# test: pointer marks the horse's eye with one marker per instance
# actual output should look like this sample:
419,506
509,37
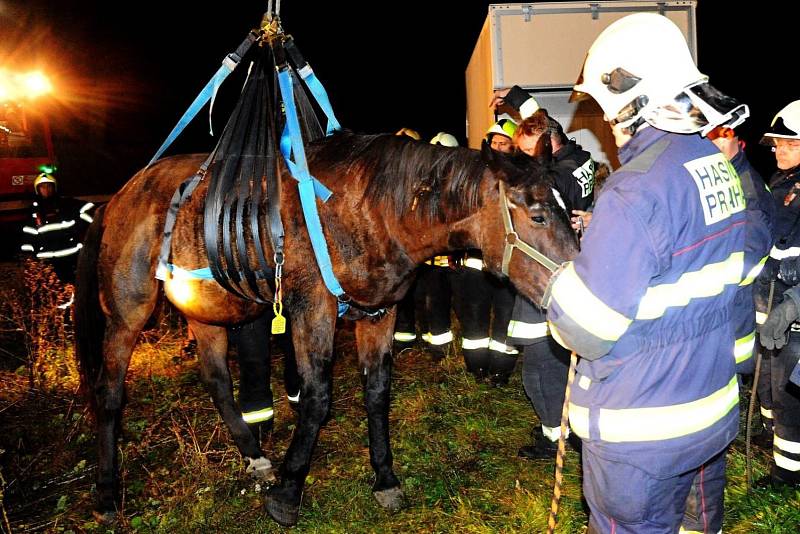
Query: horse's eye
539,219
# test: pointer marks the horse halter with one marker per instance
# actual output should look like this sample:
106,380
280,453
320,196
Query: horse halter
513,241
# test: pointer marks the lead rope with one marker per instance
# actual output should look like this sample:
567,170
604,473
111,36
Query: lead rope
562,450
751,405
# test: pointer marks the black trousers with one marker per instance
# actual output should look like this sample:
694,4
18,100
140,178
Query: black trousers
786,412
483,305
426,306
253,354
545,365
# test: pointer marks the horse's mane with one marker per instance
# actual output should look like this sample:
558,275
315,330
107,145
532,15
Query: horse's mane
404,175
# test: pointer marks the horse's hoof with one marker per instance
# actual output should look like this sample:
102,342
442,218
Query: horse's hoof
105,518
261,469
391,500
283,513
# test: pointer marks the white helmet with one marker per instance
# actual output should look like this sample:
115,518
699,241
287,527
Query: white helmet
785,125
640,68
444,139
44,178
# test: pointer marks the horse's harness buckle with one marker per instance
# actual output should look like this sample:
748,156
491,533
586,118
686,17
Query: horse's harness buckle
511,237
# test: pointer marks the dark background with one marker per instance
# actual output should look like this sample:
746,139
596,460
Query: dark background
125,72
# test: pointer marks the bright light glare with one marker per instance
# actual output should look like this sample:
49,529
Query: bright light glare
23,85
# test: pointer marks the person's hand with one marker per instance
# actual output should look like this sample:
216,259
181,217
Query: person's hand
581,220
498,98
729,146
774,332
789,271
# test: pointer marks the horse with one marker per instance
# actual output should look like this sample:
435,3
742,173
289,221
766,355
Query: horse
396,202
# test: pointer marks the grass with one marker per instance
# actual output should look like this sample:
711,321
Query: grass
454,444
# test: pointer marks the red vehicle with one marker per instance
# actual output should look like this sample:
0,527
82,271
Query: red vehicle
26,146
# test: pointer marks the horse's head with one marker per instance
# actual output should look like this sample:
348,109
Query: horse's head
525,232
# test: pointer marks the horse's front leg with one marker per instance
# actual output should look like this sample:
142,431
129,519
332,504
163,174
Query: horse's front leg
212,347
374,340
312,334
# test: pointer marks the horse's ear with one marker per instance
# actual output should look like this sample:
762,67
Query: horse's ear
488,155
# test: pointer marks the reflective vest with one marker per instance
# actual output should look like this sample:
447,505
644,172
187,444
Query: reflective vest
649,304
760,216
56,228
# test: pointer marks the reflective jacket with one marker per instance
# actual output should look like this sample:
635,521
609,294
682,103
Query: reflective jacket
758,240
575,176
56,228
649,304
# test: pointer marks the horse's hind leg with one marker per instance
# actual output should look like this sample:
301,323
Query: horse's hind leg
108,394
313,342
374,339
212,347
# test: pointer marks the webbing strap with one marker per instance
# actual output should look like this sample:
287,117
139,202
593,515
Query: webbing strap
306,185
228,65
178,198
305,72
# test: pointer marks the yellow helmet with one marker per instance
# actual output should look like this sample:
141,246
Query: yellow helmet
44,178
409,133
504,126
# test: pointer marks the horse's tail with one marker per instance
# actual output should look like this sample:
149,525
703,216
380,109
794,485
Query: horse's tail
90,321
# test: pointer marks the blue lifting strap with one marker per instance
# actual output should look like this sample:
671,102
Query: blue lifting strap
228,65
316,88
306,186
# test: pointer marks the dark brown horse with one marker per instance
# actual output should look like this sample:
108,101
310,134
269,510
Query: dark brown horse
396,202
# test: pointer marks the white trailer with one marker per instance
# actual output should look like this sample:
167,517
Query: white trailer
541,47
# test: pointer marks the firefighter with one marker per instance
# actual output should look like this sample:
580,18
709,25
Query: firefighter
56,227
431,290
545,363
650,302
405,328
781,331
483,303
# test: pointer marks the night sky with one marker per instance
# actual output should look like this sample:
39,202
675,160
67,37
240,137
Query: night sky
125,72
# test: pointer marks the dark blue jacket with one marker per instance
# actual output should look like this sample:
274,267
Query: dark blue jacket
650,304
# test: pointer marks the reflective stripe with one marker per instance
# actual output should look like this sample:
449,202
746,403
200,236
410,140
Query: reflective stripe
554,332
586,309
86,217
60,253
52,227
293,398
786,463
579,420
743,348
521,330
438,339
760,317
785,445
30,230
706,282
404,337
528,108
780,254
474,263
472,344
584,382
27,248
86,207
258,416
696,531
502,347
553,433
663,422
754,272
439,261
766,413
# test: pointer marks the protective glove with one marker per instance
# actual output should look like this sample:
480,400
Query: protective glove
789,271
769,272
774,332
